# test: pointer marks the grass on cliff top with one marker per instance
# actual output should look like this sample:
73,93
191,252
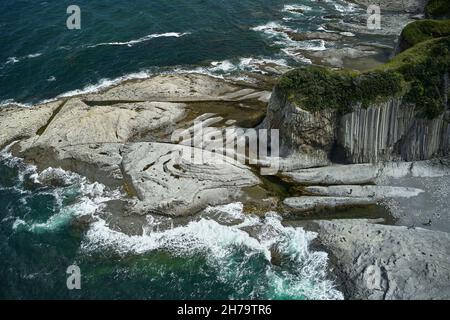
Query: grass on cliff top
416,75
438,9
423,30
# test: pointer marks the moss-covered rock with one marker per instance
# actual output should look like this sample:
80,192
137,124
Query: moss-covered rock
417,75
425,67
422,30
438,9
316,88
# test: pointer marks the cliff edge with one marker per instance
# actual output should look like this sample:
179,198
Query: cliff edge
398,111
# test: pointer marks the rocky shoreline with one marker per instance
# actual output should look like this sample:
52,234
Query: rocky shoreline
121,137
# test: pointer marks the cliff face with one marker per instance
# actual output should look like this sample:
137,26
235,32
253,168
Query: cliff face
309,133
391,131
398,111
386,131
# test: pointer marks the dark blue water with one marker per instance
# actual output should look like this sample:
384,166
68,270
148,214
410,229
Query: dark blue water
210,257
40,58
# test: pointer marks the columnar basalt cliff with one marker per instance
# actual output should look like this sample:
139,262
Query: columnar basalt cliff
391,131
398,111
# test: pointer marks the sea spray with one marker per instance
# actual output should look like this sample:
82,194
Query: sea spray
72,195
244,255
232,252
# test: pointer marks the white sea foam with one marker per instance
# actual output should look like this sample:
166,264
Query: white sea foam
343,6
218,235
289,47
17,223
106,83
294,8
8,102
219,242
140,40
233,210
272,28
14,60
253,64
222,66
34,55
347,34
89,197
312,45
231,68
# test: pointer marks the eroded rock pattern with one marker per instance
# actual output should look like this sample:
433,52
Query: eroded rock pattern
167,180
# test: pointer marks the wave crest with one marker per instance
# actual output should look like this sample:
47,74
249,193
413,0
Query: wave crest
140,40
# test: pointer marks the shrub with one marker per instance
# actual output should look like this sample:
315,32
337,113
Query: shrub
423,30
417,75
438,9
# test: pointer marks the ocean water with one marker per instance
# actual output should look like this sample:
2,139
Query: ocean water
118,39
212,256
41,214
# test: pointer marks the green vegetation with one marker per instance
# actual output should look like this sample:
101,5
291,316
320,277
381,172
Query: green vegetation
417,75
423,30
423,67
318,88
438,9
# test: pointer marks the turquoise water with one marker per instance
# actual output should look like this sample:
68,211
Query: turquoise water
212,256
41,214
41,58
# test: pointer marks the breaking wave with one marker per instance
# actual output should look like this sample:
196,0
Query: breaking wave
257,256
221,234
70,194
140,40
14,60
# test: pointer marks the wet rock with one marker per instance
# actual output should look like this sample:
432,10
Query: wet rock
391,25
296,10
327,36
339,57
